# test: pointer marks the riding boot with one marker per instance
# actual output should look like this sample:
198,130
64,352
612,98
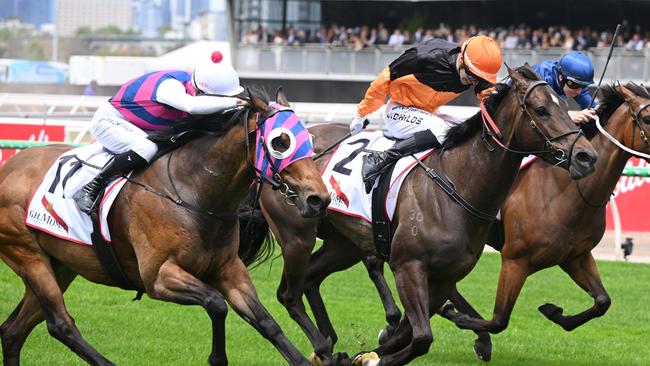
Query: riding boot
121,164
375,163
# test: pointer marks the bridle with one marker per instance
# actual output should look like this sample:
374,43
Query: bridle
491,130
276,181
642,133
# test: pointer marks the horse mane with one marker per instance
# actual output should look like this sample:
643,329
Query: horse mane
193,126
462,132
608,102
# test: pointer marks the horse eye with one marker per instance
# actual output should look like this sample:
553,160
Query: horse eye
646,120
281,143
541,111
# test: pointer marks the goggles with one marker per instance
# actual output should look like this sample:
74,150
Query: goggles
574,85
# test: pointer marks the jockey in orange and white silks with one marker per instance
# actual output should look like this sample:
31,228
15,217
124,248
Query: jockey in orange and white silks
418,82
150,102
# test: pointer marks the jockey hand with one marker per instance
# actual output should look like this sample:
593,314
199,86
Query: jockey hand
357,124
485,93
241,102
583,116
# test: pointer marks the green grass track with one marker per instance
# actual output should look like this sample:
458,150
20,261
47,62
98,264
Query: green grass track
155,333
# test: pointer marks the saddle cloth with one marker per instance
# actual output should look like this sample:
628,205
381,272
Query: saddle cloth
342,175
51,208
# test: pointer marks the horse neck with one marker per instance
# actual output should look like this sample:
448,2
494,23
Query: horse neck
214,171
598,187
491,173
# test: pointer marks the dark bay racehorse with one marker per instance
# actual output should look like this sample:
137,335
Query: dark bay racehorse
176,254
550,220
436,242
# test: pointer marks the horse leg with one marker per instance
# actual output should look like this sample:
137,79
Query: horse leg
511,279
413,289
11,318
42,282
173,283
24,318
336,254
375,267
296,251
584,272
482,344
235,283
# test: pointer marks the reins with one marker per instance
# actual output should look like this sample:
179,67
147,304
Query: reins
635,119
490,129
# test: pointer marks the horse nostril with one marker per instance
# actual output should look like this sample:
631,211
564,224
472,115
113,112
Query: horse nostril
585,157
315,202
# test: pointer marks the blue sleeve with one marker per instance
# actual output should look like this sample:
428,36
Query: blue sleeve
584,99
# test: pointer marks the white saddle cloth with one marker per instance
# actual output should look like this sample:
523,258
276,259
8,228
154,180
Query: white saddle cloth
51,208
342,175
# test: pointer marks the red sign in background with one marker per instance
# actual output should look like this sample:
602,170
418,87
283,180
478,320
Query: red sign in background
32,133
632,195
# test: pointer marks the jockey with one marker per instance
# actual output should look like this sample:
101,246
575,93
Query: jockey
569,77
418,82
151,102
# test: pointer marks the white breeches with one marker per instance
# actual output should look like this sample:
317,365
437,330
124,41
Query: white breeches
403,121
119,135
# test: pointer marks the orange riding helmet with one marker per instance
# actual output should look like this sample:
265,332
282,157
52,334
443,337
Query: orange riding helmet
482,56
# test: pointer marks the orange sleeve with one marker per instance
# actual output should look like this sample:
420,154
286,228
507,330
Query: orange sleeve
376,94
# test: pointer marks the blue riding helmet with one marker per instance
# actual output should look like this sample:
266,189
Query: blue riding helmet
577,67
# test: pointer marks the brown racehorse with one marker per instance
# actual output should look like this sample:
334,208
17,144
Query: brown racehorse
186,256
564,220
436,241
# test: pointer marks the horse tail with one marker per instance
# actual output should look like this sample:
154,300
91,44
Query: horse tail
255,241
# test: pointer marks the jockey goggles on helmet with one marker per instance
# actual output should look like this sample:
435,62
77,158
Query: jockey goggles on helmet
573,85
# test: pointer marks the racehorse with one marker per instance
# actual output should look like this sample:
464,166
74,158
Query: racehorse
436,241
175,232
549,220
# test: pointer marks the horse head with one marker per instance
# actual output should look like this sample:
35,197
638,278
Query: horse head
637,130
283,155
544,127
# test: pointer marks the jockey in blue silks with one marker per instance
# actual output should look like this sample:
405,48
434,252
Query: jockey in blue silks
569,77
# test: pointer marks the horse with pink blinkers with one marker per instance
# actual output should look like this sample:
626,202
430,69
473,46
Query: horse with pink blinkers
174,226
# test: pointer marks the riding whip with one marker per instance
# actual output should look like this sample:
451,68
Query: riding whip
611,49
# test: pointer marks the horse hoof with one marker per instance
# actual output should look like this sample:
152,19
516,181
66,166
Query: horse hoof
366,359
341,358
315,360
483,350
550,311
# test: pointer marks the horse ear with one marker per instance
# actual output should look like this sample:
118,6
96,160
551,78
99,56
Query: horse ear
627,94
517,78
281,98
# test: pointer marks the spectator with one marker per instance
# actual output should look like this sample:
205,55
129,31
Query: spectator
396,39
91,88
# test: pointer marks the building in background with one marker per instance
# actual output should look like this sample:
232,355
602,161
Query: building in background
36,12
93,14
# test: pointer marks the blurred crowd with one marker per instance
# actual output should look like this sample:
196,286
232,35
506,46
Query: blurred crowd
514,36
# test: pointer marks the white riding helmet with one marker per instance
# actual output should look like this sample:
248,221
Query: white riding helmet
216,77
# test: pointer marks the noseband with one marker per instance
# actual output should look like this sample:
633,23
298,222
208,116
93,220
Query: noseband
491,129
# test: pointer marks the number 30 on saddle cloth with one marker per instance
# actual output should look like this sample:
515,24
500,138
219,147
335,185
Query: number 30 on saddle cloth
51,208
342,175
